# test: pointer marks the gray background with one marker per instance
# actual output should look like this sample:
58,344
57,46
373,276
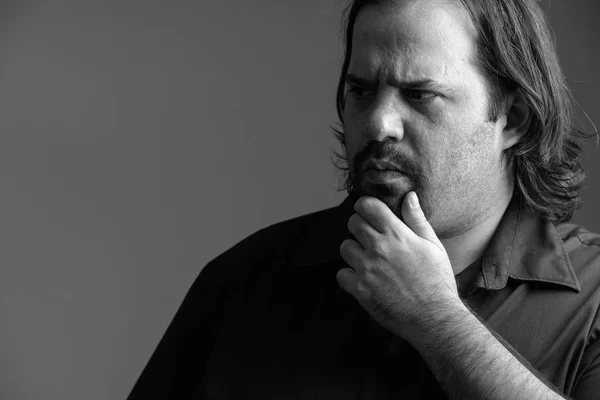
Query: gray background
140,139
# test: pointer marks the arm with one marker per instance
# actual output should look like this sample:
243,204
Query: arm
402,276
469,362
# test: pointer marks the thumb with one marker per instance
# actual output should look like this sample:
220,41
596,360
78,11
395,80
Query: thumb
414,218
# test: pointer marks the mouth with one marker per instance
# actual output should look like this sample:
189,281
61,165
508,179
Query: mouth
383,177
380,166
382,172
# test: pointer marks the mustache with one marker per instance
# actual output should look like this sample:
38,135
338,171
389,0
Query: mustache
385,150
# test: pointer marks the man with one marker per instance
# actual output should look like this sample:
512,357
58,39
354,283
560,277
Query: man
449,271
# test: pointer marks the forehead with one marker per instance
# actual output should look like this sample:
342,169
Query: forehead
413,38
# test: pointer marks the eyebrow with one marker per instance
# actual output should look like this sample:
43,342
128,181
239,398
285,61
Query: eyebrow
414,84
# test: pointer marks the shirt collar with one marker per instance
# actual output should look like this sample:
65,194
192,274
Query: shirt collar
525,246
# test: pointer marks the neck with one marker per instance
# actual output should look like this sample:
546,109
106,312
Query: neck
469,246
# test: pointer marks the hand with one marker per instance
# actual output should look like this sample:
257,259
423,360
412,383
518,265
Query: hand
400,272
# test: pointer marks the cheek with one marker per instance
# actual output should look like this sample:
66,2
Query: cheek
352,138
451,161
467,162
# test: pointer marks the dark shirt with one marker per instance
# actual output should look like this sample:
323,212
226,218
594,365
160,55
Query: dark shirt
267,320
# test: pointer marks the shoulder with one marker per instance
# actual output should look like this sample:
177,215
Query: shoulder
279,237
583,251
572,231
266,245
582,246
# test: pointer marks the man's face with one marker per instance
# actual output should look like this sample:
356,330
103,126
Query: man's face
417,102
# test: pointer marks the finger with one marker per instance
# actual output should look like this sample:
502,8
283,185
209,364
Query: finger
351,251
377,213
347,280
363,231
415,219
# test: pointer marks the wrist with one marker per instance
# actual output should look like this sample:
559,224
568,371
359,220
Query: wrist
439,322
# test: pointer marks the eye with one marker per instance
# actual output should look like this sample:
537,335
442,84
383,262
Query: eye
420,95
358,91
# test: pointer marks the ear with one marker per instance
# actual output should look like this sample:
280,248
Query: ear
518,120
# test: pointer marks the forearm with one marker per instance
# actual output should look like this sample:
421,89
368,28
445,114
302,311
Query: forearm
471,363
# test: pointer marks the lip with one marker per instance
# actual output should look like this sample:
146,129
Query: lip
383,176
380,166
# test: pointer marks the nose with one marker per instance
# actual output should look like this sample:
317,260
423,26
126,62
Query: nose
385,119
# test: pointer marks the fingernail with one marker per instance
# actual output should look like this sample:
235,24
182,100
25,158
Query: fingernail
413,200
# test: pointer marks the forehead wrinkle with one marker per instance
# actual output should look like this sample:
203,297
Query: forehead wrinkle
406,50
400,64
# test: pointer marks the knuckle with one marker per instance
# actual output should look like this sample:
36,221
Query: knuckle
363,204
367,269
362,290
420,219
344,246
353,223
346,249
380,247
370,203
342,276
397,236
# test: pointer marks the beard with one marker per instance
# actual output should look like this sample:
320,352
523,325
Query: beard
390,193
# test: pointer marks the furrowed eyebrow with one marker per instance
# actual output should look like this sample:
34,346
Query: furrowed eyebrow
416,84
351,78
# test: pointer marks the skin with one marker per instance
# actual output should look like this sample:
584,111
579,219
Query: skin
440,131
455,188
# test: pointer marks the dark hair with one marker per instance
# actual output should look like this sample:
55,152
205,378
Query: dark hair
515,52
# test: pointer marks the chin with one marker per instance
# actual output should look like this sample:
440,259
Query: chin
392,195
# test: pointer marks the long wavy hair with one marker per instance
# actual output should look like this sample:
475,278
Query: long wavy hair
516,51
